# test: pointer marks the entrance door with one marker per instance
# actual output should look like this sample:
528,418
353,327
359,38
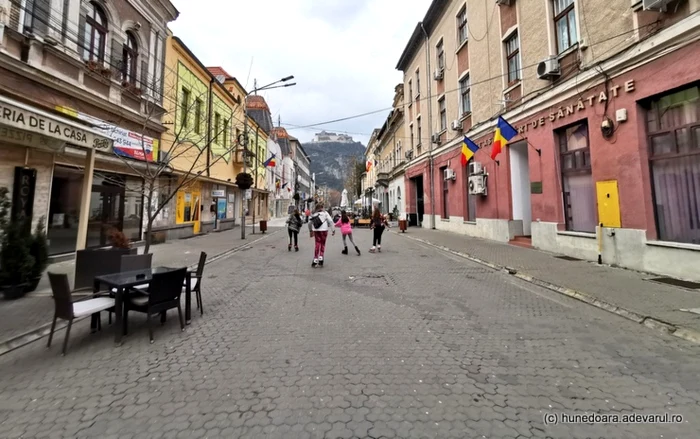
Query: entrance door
420,206
106,213
520,186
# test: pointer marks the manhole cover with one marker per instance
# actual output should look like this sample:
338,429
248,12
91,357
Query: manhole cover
676,282
370,280
567,258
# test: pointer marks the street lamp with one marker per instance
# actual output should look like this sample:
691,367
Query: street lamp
245,132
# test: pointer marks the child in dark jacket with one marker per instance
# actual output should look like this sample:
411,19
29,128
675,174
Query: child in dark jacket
294,224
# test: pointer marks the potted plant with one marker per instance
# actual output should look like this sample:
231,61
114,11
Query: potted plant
16,262
39,250
92,65
106,72
118,239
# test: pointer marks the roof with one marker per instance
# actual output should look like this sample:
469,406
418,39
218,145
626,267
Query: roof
219,71
260,112
435,11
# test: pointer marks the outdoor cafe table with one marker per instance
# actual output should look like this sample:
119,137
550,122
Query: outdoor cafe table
122,282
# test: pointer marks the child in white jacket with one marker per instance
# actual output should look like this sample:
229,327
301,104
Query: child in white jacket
319,224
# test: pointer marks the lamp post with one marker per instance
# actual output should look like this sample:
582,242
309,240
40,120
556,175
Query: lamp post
245,132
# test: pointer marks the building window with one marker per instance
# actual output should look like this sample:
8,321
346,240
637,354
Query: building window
420,136
577,181
673,127
95,34
465,99
445,188
410,131
417,83
462,25
217,128
130,59
36,18
471,198
440,49
198,104
184,106
565,24
443,114
513,58
410,91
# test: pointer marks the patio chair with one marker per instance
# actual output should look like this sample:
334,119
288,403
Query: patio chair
163,294
66,309
134,262
196,282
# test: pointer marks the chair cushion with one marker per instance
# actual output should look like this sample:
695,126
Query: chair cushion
193,284
139,300
91,306
139,287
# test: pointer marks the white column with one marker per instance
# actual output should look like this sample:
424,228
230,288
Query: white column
85,200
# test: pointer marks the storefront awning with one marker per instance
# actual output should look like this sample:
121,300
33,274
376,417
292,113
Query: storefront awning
25,125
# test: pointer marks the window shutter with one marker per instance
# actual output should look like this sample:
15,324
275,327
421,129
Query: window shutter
117,60
83,46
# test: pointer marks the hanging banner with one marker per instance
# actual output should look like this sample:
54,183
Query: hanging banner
23,194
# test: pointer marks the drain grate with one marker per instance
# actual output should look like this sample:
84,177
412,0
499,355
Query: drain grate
676,282
568,258
372,280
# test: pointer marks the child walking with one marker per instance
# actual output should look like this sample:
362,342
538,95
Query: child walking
294,223
378,224
346,231
319,224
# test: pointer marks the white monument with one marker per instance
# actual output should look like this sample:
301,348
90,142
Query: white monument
344,200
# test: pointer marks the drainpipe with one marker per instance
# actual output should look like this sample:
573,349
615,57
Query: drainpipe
430,118
209,139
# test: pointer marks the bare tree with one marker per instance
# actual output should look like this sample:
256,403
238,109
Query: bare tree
185,150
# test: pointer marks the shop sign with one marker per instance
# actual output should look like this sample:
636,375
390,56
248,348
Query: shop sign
582,104
23,194
231,198
126,143
29,139
218,193
16,117
249,194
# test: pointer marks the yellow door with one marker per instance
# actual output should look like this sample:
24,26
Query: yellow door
608,203
197,211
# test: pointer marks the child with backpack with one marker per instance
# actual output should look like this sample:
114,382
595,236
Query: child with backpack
319,224
294,223
346,230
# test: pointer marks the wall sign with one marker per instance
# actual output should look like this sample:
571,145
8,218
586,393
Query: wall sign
535,187
23,194
218,193
16,117
29,139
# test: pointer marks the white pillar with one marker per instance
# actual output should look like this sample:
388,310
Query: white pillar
85,200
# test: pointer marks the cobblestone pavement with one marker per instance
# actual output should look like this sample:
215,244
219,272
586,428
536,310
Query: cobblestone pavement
625,288
36,309
410,343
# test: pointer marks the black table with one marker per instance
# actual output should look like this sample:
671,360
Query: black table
123,282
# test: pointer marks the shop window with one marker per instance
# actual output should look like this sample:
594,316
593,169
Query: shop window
445,189
64,209
577,181
673,127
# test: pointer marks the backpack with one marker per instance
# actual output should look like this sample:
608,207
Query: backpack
317,221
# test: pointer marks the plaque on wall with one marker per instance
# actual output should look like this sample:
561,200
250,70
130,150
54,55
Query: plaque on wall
535,187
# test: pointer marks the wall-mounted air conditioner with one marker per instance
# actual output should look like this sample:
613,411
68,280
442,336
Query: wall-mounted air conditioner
439,74
435,138
503,2
476,168
409,155
477,184
456,125
450,174
549,68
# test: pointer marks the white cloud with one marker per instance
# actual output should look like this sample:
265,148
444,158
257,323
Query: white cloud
342,53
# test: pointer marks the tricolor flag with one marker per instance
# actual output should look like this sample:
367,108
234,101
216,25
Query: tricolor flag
270,162
284,185
504,132
277,184
369,165
469,148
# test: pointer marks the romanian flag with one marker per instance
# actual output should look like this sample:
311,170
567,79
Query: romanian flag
369,165
504,132
469,148
277,184
270,162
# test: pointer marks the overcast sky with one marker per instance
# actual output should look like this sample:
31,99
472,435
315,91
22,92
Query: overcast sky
342,53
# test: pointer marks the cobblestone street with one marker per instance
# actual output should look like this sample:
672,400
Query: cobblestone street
412,342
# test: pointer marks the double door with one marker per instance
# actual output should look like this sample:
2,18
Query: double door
106,214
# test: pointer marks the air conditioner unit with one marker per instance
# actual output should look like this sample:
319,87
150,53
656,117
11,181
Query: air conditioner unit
549,68
164,156
450,174
503,2
456,125
476,168
409,155
477,184
435,138
655,5
439,73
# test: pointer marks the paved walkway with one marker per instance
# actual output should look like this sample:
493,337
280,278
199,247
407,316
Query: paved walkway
625,292
35,310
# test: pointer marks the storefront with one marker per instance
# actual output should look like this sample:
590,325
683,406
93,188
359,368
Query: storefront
207,206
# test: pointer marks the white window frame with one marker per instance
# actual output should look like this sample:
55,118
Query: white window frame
459,92
461,42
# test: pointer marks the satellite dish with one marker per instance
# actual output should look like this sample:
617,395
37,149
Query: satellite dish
221,78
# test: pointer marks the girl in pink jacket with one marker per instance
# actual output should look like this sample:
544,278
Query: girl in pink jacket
346,231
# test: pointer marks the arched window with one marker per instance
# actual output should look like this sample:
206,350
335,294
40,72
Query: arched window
130,59
95,34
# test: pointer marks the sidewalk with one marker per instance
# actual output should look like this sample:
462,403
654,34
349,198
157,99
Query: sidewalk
34,311
623,292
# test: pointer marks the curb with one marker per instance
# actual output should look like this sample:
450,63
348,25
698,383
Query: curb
648,321
35,334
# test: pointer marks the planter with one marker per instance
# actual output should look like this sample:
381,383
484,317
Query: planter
263,226
403,225
13,292
32,285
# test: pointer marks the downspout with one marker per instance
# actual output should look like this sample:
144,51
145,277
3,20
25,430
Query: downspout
430,118
209,138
